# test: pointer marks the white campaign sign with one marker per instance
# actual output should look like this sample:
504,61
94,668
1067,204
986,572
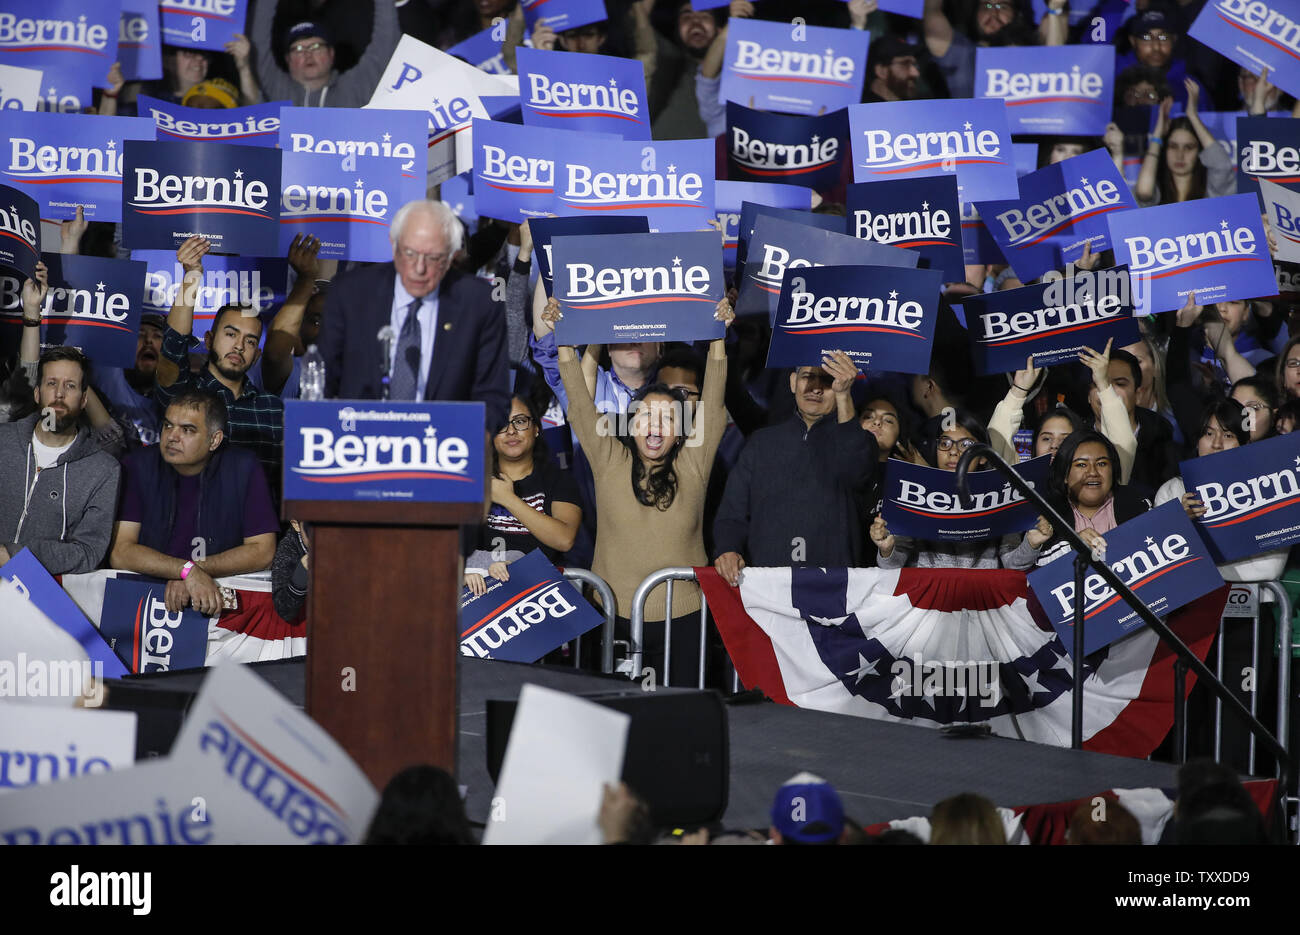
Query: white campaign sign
39,744
20,88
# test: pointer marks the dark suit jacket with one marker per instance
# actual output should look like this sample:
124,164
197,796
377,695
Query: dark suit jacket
469,350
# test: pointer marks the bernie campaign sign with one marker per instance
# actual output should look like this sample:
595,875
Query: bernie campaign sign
64,90
1157,554
1268,148
778,245
1050,321
911,139
806,70
1283,208
259,283
978,245
258,125
138,48
144,633
922,215
225,192
523,619
514,167
1214,247
616,288
66,160
1049,89
560,15
876,314
400,135
545,230
1255,33
1061,207
573,91
923,503
94,304
483,51
671,183
1251,497
69,34
202,24
350,210
751,211
728,197
20,88
797,150
20,231
384,451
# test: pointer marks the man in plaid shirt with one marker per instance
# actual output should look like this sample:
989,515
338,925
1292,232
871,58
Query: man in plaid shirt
255,418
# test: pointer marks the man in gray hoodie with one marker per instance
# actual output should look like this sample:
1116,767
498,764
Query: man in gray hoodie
59,493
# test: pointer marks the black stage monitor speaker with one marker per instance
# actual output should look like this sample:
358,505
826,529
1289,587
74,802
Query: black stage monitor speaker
678,758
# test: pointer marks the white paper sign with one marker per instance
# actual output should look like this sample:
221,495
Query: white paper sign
40,663
39,744
19,87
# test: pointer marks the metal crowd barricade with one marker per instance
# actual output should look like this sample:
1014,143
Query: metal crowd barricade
581,576
636,654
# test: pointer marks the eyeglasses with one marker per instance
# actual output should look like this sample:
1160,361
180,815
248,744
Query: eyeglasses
1292,364
432,259
1256,405
520,424
995,7
1156,37
948,444
1136,96
304,49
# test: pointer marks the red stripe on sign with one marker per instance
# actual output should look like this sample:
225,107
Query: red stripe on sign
202,210
332,218
283,765
674,298
1251,515
388,475
851,328
1032,337
518,597
1260,36
20,240
135,648
1140,584
63,179
1054,100
838,84
1072,221
589,113
820,165
1187,269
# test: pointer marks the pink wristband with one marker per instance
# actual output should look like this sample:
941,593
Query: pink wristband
186,569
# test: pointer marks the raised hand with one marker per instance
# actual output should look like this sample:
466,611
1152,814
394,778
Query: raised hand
191,253
1193,506
880,535
302,256
1099,364
551,314
1024,380
842,369
34,292
239,49
724,313
1190,312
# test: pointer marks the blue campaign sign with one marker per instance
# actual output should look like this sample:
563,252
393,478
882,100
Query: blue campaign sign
1268,148
1061,207
64,90
483,51
1049,89
909,139
778,245
1050,321
36,584
523,619
798,150
728,197
144,633
94,304
202,24
573,91
70,34
912,8
400,135
514,167
978,245
409,452
456,193
810,70
922,215
65,160
1251,496
615,288
1255,33
922,502
1214,247
671,183
1157,554
258,125
545,230
20,231
257,282
138,46
225,192
878,315
560,15
350,210
751,211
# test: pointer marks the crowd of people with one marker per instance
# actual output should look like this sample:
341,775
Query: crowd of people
171,467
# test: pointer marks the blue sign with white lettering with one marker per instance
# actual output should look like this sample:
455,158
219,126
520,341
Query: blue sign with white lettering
882,317
384,451
202,24
561,15
1255,33
514,167
922,502
1251,496
94,304
1214,247
1049,89
616,288
20,231
978,245
257,282
349,210
778,247
65,160
138,48
545,230
258,125
910,139
64,89
399,135
69,34
225,192
1051,321
787,148
671,183
809,70
144,633
1268,148
913,8
483,51
751,211
728,197
573,91
1157,554
1061,207
922,215
523,619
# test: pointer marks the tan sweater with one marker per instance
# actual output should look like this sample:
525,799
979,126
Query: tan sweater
633,540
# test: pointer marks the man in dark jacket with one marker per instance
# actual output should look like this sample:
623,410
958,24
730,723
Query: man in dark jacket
789,500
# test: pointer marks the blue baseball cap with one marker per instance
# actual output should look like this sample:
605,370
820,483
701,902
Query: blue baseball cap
808,810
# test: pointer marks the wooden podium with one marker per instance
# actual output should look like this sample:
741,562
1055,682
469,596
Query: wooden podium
385,582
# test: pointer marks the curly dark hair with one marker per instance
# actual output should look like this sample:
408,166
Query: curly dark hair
658,487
